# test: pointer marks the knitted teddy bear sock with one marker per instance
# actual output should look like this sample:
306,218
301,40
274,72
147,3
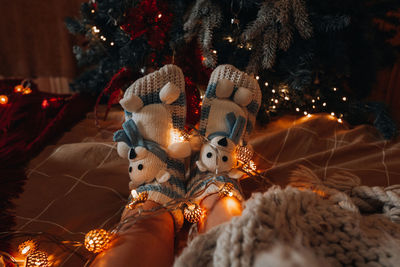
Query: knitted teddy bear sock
155,110
228,115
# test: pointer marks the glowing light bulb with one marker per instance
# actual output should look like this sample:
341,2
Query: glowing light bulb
266,83
276,101
274,107
333,113
214,51
92,11
305,112
273,91
287,98
257,77
324,104
159,15
313,100
334,89
344,98
340,120
3,99
112,43
297,109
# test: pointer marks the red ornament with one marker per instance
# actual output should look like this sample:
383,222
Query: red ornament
150,18
192,103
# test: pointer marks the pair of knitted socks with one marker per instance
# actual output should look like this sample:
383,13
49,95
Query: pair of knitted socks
152,141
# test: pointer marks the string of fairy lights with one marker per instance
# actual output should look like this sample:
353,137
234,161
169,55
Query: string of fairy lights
99,240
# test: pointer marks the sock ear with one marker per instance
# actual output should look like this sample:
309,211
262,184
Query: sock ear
123,150
179,150
162,176
224,88
235,174
133,103
243,96
201,166
169,93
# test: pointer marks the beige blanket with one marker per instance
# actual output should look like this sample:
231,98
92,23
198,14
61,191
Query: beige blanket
80,183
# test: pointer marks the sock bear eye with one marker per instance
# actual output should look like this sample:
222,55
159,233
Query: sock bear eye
130,169
224,158
140,167
209,155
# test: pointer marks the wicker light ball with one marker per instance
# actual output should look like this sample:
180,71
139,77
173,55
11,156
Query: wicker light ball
37,258
137,198
226,190
244,154
97,240
193,213
27,247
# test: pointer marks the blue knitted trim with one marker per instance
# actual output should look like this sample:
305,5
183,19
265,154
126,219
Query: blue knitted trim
249,126
211,90
177,182
178,122
205,112
181,101
222,179
253,107
176,165
159,188
151,98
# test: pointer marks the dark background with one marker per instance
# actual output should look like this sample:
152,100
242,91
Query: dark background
34,43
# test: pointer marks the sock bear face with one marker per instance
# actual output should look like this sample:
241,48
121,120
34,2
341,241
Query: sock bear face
217,155
144,167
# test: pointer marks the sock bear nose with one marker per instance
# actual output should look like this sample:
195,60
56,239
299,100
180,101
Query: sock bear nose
223,142
132,153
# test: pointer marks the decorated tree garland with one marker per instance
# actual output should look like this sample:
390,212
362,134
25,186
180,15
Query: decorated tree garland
308,55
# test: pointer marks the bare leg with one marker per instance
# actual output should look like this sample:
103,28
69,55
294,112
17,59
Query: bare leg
219,210
149,242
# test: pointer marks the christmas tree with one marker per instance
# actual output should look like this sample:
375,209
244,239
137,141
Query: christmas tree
309,56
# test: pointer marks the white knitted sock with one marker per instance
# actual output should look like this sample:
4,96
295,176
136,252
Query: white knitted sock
229,110
155,110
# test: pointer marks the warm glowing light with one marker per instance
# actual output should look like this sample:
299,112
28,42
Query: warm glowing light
159,15
103,38
137,198
18,88
276,101
243,154
95,29
334,89
272,100
112,43
266,83
176,136
37,258
27,91
318,97
3,99
313,107
297,109
274,107
98,240
340,120
305,112
193,213
229,39
308,115
287,98
214,51
250,167
92,11
333,113
27,247
257,78
45,104
313,100
273,91
324,104
344,98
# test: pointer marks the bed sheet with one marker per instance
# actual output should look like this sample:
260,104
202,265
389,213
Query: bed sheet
80,183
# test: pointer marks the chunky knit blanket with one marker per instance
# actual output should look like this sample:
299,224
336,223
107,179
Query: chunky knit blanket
335,222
